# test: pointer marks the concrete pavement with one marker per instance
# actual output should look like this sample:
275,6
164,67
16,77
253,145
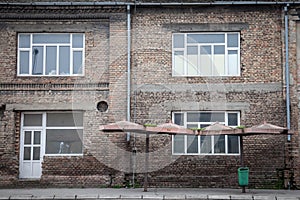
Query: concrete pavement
152,194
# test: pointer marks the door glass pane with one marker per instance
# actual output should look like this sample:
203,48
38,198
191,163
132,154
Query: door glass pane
192,144
77,41
27,153
32,119
64,141
24,41
219,146
178,63
178,144
37,60
64,119
24,62
64,60
27,137
37,137
51,58
205,144
77,62
36,153
233,144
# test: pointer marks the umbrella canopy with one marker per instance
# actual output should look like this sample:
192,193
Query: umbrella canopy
219,129
169,128
124,126
266,128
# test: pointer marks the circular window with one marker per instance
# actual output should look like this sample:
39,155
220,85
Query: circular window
102,106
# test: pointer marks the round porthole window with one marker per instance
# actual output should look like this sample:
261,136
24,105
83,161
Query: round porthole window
102,106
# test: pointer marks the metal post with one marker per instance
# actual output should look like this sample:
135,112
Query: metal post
146,163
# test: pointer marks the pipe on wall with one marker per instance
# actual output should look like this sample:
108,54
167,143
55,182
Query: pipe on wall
128,66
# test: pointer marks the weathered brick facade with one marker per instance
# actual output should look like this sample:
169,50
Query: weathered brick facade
107,160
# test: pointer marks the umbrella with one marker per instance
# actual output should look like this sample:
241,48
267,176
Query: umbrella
166,128
219,129
266,128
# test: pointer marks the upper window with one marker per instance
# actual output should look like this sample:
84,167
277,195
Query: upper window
209,145
206,54
51,54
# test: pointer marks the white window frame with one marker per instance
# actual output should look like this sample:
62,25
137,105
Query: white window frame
44,129
184,49
212,137
44,45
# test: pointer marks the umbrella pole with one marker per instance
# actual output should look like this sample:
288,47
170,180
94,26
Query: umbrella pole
242,159
146,163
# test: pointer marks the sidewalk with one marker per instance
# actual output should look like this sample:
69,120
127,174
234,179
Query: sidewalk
152,194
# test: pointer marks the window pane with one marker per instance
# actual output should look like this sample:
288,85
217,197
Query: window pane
178,63
64,60
63,141
77,62
233,144
205,60
37,60
33,120
24,41
24,62
51,38
37,137
178,119
51,58
219,60
77,41
178,41
36,153
193,117
27,137
212,117
192,58
205,145
192,126
192,144
233,62
205,38
232,40
64,119
27,153
178,145
232,119
219,146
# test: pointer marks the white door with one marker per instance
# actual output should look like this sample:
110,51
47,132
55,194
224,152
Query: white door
31,153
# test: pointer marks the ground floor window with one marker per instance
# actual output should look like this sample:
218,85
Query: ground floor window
217,144
62,132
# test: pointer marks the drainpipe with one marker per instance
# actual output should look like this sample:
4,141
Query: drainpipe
287,70
128,67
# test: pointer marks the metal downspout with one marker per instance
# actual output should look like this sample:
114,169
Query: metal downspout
128,66
287,70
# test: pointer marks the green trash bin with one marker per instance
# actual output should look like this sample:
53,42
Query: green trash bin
243,175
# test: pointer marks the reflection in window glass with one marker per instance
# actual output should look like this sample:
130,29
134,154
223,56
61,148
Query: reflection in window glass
32,119
178,144
64,60
24,62
233,144
192,144
37,60
219,146
64,119
51,54
205,144
63,141
77,62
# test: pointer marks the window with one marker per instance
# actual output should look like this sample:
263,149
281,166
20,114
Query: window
206,54
63,131
208,145
50,54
